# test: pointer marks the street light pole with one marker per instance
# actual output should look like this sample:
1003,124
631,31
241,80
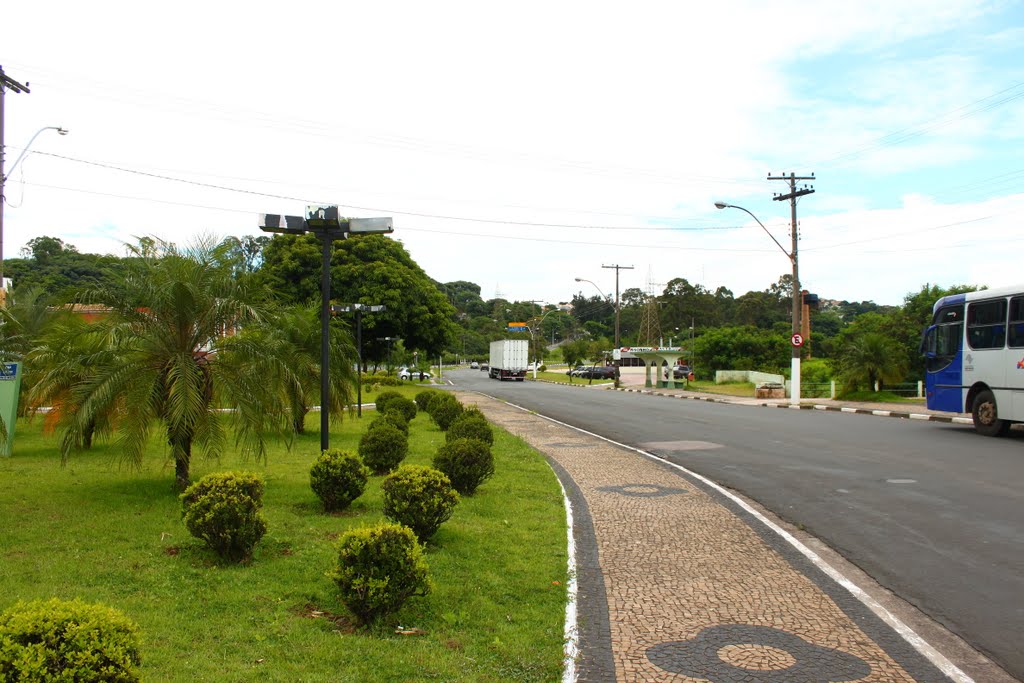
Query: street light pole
5,83
358,308
794,394
326,223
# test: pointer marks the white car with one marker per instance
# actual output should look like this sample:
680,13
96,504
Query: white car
474,366
406,373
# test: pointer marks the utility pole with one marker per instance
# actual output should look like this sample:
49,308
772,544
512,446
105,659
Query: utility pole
792,196
5,83
617,268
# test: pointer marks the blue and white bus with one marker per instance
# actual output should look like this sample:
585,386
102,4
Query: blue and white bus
974,357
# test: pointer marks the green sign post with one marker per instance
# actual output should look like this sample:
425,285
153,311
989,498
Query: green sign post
10,385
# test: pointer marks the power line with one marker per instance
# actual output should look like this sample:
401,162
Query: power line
226,188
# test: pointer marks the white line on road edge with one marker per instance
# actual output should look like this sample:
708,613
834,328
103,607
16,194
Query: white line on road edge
908,634
572,632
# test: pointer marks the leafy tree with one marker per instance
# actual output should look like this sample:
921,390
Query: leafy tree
575,352
740,348
57,268
162,361
761,309
372,270
246,252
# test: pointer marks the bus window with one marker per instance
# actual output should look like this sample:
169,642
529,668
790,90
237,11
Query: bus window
986,324
1016,336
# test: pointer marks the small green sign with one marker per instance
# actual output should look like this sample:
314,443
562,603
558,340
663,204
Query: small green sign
10,386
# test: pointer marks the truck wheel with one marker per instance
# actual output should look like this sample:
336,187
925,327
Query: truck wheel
986,415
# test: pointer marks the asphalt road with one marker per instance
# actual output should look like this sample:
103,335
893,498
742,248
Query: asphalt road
931,511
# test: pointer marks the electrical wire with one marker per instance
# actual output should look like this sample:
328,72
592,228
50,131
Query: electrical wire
472,219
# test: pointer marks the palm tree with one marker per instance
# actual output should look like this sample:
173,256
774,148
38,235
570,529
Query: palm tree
23,322
871,357
160,360
293,333
65,357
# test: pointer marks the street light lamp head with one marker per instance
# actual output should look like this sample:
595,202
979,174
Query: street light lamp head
721,205
579,279
63,131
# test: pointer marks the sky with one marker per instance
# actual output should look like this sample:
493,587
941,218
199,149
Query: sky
522,145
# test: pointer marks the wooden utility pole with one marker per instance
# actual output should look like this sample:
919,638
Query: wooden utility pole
617,268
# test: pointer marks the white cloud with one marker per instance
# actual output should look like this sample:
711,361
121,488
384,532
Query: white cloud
586,114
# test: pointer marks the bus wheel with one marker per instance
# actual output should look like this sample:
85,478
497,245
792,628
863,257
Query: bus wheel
986,415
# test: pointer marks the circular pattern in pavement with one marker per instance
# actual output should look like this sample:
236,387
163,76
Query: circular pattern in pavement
738,653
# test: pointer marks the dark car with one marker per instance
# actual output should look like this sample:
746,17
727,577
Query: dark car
682,372
600,372
485,366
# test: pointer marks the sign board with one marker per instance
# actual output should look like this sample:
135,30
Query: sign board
798,340
10,386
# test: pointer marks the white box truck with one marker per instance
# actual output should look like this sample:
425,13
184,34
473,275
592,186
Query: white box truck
509,358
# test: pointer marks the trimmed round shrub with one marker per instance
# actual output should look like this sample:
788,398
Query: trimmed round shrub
393,418
444,409
379,568
337,478
384,398
542,368
423,398
383,448
405,406
224,509
466,462
421,498
59,640
470,426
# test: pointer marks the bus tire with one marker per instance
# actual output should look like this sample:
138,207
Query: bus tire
985,413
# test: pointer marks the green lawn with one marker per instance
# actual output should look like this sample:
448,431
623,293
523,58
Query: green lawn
94,531
730,389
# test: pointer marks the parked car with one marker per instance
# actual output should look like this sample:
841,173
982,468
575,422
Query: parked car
406,373
601,372
577,371
485,366
682,372
474,366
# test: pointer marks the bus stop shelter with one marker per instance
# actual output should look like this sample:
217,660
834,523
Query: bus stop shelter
654,357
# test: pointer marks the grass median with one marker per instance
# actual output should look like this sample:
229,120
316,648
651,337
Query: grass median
94,531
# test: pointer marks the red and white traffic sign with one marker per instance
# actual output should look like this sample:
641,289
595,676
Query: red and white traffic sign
798,340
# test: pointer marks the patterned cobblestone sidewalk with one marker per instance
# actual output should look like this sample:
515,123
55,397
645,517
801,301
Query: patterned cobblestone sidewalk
679,583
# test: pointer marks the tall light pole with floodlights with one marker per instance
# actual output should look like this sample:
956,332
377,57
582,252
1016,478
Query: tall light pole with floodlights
328,225
794,394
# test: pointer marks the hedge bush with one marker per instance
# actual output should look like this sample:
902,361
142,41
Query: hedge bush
444,409
421,498
384,398
67,641
470,426
338,478
423,398
383,448
466,462
405,406
379,568
393,418
223,509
